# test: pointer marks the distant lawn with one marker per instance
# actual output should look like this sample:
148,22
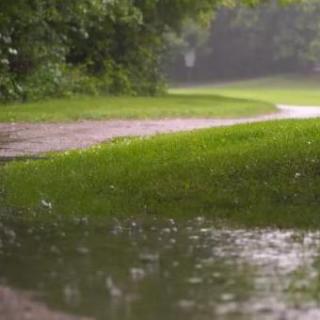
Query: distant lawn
170,106
292,90
258,174
228,100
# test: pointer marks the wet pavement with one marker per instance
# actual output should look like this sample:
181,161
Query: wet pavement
32,139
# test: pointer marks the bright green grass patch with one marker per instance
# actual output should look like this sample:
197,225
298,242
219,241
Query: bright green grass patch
259,174
169,106
293,90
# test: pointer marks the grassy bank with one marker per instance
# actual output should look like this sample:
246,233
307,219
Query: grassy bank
170,106
292,90
261,174
229,100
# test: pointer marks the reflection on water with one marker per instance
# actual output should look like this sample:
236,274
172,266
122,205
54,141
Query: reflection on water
148,268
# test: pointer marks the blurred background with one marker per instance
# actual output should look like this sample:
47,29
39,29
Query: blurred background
247,42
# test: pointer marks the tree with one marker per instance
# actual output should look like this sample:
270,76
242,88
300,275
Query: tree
269,38
57,47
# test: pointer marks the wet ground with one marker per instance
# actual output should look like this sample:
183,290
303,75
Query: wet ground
15,305
152,268
33,139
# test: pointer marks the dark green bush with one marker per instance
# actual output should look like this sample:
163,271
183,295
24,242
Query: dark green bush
59,48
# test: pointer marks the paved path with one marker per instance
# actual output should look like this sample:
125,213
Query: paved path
33,139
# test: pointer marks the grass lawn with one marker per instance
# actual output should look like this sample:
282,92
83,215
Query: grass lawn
229,100
260,174
292,90
170,106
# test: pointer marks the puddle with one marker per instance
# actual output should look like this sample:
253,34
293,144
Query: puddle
148,268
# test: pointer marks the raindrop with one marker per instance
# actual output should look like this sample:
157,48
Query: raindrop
200,219
11,235
46,204
186,304
195,280
54,249
227,297
82,250
113,290
71,294
166,230
137,274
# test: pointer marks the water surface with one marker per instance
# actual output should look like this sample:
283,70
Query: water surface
153,268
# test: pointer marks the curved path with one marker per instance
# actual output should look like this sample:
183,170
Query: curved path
32,139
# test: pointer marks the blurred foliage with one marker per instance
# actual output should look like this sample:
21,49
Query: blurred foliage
270,38
58,48
290,32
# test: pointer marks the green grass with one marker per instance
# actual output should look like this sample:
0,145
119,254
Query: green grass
292,90
229,100
170,106
259,174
